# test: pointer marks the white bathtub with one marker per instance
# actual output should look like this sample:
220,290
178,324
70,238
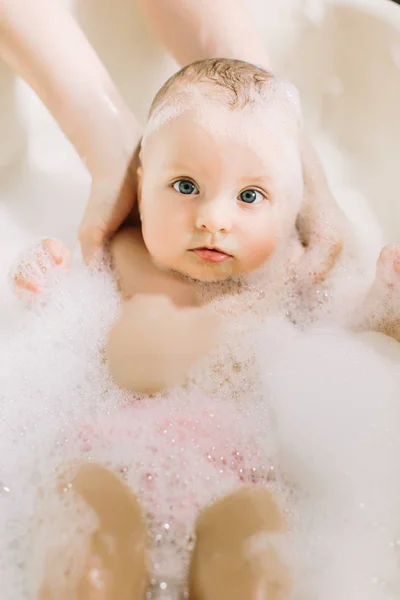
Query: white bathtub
344,56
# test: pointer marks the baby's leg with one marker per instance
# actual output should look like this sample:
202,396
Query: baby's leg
116,565
235,557
381,308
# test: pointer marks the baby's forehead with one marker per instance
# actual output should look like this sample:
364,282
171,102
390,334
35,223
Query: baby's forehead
273,111
264,135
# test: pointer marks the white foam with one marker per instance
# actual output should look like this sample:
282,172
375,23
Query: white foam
335,397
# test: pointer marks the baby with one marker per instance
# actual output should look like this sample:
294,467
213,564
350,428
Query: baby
220,188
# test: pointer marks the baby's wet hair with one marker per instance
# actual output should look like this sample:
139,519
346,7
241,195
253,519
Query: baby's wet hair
240,83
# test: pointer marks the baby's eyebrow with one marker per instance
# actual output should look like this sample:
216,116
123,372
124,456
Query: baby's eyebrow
261,179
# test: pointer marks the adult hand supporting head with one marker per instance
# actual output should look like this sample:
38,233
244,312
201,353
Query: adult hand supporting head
321,223
112,197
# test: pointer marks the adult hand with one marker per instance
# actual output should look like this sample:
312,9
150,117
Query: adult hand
112,198
321,223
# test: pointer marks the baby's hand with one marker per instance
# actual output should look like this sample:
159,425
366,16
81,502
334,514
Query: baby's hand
36,268
154,344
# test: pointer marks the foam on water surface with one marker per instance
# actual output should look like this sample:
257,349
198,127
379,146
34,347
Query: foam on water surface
177,452
313,413
336,400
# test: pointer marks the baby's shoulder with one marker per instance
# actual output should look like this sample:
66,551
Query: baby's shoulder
127,240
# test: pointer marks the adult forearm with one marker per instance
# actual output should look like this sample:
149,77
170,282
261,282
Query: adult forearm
43,43
194,30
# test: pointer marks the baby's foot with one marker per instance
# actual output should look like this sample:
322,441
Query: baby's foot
116,563
238,553
37,268
381,311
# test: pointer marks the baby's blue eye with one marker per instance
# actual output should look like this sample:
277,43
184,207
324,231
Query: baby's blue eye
251,196
184,186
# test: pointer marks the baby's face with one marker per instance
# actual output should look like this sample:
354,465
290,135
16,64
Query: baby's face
218,190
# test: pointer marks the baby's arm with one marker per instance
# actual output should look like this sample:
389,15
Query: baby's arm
162,331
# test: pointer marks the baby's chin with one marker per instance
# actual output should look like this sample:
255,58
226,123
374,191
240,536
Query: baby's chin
202,273
206,275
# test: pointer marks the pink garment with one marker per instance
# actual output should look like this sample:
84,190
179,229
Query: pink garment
183,452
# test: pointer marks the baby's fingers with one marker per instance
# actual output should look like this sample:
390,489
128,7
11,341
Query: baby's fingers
35,269
57,251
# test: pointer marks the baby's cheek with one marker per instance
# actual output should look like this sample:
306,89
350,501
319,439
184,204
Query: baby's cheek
165,239
160,244
155,235
263,244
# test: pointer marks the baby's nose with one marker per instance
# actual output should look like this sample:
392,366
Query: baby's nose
214,216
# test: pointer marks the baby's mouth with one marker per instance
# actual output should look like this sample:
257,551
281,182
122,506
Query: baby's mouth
209,254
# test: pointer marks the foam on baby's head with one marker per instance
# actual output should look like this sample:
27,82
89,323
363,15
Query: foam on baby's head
224,83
